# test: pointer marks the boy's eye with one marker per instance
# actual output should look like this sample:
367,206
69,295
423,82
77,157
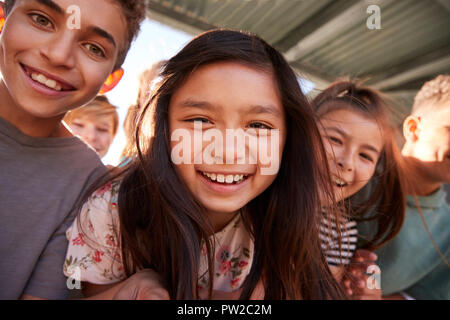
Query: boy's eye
79,125
102,129
41,20
95,50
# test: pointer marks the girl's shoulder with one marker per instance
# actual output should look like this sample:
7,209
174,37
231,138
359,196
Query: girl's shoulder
100,212
94,239
106,194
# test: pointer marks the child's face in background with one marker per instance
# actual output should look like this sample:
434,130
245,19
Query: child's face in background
432,146
50,63
222,96
98,132
353,144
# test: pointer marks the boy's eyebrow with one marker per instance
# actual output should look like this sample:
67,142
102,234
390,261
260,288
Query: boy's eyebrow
51,5
102,33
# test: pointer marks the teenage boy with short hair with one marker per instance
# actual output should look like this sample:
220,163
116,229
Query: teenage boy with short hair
411,266
50,66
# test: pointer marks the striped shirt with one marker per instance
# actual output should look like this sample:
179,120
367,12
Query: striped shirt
330,239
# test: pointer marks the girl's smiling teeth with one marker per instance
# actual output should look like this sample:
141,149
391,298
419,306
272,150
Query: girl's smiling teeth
339,182
225,178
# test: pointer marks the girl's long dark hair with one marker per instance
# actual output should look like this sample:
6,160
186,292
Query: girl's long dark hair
388,185
162,225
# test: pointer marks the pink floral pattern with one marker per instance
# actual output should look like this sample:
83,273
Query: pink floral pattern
100,192
78,241
234,253
225,267
223,254
95,249
97,254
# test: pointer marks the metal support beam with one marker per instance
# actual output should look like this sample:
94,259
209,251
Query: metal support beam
445,4
434,67
330,30
166,15
393,70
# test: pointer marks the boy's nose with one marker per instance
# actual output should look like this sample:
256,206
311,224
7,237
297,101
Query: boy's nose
89,134
60,52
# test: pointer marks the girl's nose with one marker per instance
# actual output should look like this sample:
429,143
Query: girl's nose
345,166
345,162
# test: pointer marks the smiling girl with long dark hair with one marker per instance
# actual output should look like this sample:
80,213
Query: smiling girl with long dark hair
214,228
363,157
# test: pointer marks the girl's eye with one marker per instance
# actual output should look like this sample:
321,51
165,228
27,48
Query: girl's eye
259,125
102,130
41,20
365,156
79,125
335,140
95,50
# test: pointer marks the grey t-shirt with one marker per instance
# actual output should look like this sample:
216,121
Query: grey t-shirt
41,180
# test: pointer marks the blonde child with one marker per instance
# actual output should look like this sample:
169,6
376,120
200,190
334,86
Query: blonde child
95,123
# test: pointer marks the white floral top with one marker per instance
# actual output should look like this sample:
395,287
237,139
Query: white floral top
94,253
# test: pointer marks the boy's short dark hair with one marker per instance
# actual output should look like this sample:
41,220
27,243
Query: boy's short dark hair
134,12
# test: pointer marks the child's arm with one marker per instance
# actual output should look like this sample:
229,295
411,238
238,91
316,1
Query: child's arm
90,289
395,296
143,285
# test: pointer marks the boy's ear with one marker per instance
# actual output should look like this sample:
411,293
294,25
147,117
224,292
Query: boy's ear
112,81
411,128
2,17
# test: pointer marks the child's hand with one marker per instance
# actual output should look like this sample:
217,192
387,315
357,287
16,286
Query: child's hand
359,281
143,285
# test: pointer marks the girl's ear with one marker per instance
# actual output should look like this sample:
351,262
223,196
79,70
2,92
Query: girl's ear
2,17
112,80
411,128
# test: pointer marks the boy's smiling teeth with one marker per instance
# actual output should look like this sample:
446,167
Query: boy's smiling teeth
47,80
225,178
52,84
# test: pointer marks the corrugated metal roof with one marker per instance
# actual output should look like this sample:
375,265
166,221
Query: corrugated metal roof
327,39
